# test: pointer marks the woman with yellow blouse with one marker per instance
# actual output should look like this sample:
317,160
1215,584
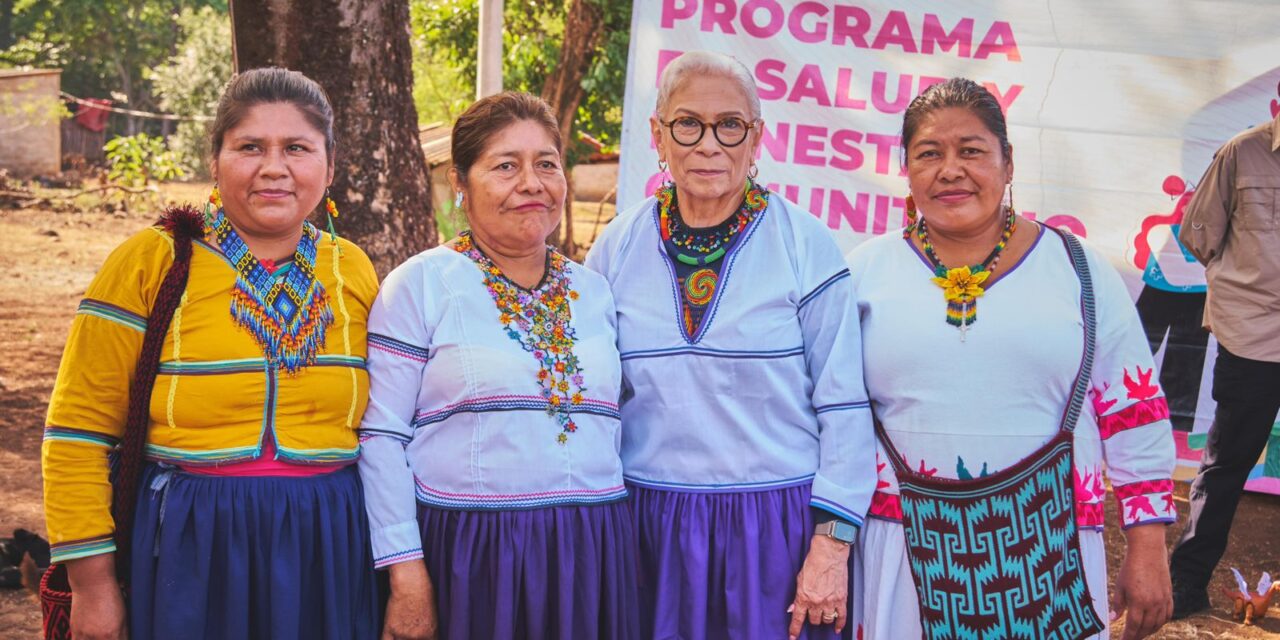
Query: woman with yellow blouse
250,521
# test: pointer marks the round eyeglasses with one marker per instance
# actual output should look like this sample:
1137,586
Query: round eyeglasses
729,132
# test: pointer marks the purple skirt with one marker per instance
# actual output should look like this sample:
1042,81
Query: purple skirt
567,573
723,565
252,557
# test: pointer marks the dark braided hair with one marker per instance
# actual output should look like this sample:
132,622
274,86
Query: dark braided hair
475,128
960,93
272,85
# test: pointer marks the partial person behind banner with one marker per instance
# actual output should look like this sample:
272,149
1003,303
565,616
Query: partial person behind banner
1171,305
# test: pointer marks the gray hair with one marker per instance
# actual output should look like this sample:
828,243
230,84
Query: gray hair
694,64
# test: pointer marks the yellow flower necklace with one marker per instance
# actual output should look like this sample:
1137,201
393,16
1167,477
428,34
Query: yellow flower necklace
962,286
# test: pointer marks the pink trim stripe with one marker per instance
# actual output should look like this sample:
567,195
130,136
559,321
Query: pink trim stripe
510,398
887,506
1133,416
1145,487
396,352
1089,514
519,496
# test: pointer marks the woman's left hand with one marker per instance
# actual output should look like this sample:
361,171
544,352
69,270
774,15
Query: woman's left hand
1142,586
822,587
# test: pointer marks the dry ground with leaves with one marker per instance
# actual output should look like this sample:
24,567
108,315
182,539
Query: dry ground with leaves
50,255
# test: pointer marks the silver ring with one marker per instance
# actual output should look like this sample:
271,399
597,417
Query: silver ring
829,617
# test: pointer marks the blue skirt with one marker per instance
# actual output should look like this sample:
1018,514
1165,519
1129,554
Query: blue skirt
252,557
723,566
565,573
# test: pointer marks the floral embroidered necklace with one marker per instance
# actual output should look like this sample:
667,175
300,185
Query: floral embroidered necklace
286,315
539,320
961,286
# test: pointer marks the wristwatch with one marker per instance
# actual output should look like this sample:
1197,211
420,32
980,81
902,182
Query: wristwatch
837,530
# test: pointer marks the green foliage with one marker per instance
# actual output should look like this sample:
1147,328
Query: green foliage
600,114
444,32
104,47
190,82
138,159
440,91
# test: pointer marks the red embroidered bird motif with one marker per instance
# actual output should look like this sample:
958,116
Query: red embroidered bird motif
1083,492
928,473
1137,505
1168,504
1142,389
1100,405
880,484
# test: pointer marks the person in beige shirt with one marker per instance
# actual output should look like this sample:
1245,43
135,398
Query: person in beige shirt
1232,226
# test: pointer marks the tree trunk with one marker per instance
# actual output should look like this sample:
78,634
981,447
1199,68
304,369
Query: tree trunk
583,27
359,52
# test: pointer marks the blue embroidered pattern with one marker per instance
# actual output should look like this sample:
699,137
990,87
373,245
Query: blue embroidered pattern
287,316
998,557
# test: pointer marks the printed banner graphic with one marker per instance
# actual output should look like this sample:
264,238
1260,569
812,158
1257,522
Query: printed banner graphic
1115,110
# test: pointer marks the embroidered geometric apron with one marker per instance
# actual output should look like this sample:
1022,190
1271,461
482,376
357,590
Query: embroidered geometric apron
997,557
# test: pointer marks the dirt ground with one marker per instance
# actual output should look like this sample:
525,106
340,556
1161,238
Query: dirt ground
49,257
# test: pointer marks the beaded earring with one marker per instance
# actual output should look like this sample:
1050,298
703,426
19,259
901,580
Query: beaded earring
215,202
909,206
662,171
331,212
1011,209
457,200
753,171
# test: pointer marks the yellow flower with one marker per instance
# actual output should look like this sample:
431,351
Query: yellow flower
961,284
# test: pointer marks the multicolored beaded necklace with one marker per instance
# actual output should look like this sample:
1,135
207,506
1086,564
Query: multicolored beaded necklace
539,320
286,315
697,251
961,286
710,243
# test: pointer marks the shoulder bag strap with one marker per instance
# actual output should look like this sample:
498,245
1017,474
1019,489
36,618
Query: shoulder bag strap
1088,312
185,223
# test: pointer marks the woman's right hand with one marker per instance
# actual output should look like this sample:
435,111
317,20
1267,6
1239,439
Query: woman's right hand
97,605
411,610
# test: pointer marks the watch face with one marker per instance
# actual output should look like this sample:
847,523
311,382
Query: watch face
844,532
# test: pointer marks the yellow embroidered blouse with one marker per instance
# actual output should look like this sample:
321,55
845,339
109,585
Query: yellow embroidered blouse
214,399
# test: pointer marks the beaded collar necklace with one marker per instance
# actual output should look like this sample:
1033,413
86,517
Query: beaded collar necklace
961,286
286,315
702,247
539,320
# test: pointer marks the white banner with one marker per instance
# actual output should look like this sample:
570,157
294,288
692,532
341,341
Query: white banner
1115,108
